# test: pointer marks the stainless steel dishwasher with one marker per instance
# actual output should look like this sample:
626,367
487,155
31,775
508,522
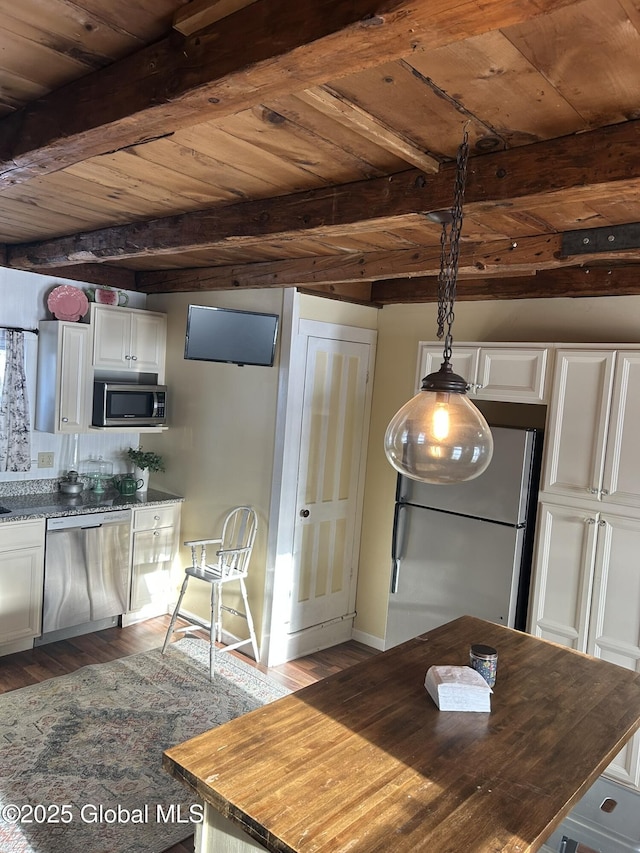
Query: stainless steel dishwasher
86,573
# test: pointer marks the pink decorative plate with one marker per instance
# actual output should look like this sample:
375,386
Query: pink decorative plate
67,302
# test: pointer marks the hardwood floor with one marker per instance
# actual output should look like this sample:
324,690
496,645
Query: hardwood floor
39,664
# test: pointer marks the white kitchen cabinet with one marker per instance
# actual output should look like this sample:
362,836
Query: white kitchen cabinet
21,583
155,542
129,339
594,420
64,382
503,372
586,594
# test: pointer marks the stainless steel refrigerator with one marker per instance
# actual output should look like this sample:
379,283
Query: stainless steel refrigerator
466,548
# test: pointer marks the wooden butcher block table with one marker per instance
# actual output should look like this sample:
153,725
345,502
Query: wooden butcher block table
364,762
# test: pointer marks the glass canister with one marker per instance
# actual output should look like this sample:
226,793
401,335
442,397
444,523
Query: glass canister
484,659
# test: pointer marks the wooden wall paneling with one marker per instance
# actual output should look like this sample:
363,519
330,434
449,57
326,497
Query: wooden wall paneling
310,113
228,142
368,126
70,30
284,149
292,143
139,164
16,90
38,62
238,173
413,106
108,172
180,161
607,51
202,13
492,79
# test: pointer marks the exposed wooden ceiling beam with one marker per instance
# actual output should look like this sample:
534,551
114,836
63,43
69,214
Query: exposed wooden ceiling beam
477,260
287,46
565,166
568,282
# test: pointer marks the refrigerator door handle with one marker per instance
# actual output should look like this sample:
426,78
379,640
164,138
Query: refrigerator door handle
397,540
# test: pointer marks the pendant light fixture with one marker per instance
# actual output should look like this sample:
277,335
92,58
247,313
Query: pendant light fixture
439,436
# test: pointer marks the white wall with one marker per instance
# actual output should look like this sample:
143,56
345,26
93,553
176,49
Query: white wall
23,302
219,446
400,328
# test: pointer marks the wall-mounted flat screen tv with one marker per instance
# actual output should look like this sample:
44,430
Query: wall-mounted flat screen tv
228,335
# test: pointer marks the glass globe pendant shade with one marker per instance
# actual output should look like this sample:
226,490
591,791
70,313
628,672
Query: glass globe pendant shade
439,436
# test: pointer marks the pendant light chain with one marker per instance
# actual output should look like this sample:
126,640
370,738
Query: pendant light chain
450,251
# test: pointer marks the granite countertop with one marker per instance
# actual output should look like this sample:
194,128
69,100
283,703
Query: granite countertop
53,504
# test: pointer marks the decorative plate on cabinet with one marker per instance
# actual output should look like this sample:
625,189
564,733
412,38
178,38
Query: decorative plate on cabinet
67,302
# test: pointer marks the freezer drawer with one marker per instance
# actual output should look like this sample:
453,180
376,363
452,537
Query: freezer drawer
449,566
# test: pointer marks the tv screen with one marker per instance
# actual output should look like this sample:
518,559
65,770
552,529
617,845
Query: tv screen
235,337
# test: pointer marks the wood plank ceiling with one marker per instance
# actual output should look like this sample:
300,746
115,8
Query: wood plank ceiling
164,145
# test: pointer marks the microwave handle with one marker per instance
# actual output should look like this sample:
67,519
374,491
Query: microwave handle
155,404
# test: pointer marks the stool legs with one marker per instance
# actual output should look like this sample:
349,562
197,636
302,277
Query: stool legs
175,614
252,633
215,624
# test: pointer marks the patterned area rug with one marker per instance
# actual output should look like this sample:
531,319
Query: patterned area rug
81,755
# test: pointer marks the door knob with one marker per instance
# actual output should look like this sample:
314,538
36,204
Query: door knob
304,513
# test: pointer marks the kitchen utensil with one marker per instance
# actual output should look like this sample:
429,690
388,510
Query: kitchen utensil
126,484
71,485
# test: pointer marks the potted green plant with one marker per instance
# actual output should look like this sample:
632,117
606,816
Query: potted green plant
145,461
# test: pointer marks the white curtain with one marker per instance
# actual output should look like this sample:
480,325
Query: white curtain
15,435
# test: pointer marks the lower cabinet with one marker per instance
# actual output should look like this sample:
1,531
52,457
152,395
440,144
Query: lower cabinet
21,583
586,594
155,541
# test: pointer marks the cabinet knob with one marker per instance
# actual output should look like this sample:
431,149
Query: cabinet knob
156,518
134,358
304,513
127,358
604,491
65,420
156,533
593,491
591,521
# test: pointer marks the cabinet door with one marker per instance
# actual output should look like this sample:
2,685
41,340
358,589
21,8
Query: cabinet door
153,553
563,575
464,361
515,374
614,630
74,384
621,481
21,580
148,342
578,420
111,337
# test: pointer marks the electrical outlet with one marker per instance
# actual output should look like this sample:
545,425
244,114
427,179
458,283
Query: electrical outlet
45,460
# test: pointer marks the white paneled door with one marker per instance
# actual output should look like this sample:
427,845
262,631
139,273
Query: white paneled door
327,497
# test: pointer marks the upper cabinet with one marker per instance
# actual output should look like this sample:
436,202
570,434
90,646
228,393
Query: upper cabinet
594,417
63,399
128,339
504,372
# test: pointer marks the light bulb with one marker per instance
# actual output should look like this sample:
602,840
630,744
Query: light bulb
440,427
439,437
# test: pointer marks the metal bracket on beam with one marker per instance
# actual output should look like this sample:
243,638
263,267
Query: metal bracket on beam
613,238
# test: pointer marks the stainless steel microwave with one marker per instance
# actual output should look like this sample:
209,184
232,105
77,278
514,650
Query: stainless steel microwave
130,405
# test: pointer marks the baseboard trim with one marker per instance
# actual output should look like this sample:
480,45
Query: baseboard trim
368,640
